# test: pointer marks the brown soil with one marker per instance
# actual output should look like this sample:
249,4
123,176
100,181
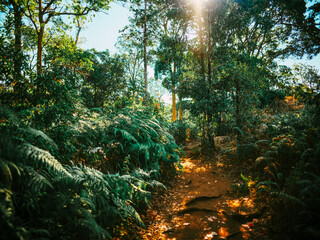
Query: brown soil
199,205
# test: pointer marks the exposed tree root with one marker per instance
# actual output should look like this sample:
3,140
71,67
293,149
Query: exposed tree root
245,217
232,235
201,198
195,209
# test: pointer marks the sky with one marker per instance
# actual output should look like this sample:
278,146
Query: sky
102,32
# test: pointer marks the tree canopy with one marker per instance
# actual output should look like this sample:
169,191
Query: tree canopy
86,137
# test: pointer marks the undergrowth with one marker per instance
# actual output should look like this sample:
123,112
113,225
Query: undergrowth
283,157
84,180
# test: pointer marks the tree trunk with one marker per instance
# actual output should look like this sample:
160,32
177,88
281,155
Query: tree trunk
209,53
238,118
174,109
180,112
17,61
202,67
210,86
79,28
145,54
40,49
40,33
134,97
174,106
180,107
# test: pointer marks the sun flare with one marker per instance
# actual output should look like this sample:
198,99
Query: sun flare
197,5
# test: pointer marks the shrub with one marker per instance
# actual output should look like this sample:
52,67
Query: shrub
179,131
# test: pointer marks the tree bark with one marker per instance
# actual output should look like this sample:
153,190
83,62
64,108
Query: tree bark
17,61
40,33
174,108
40,49
238,119
79,28
180,109
145,54
174,105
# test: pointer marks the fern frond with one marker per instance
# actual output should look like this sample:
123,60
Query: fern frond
9,115
129,211
125,135
262,142
268,183
284,195
36,157
35,134
88,228
157,184
38,182
238,131
5,173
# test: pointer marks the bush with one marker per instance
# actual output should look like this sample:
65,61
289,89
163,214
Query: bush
42,197
292,174
179,131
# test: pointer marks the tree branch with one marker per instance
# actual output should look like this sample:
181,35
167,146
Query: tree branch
30,17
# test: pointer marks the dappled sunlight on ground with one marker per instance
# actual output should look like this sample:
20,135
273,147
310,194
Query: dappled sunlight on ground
199,206
190,166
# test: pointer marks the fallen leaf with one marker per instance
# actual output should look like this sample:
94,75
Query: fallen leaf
247,225
210,235
212,218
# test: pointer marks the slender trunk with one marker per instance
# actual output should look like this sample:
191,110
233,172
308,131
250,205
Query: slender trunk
180,112
209,53
39,50
174,109
210,131
210,86
174,106
238,118
77,36
202,67
40,38
17,48
180,108
134,97
95,96
79,28
145,54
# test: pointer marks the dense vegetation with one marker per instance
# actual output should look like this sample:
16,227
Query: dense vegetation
85,136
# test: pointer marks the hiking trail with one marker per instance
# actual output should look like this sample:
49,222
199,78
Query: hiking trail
199,205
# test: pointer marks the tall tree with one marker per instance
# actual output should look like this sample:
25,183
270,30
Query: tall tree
104,83
143,26
17,8
42,12
170,53
145,61
132,50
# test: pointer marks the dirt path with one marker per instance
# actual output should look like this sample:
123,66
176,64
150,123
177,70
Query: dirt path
199,206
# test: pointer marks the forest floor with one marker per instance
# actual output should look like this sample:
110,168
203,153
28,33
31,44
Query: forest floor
200,204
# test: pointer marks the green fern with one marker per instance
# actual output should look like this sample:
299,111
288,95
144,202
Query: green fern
37,158
9,117
32,134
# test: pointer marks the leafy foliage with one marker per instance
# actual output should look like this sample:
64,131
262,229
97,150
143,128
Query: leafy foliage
291,172
46,195
44,198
